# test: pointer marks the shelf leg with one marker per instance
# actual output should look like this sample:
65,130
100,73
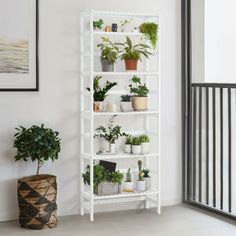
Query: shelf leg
91,211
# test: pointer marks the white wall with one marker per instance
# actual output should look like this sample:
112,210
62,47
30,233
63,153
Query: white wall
57,103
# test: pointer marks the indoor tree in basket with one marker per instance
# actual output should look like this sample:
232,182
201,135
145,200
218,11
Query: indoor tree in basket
37,193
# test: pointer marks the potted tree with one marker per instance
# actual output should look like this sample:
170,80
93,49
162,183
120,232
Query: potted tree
37,193
149,29
128,144
147,179
140,182
132,53
136,146
140,92
125,104
109,54
128,184
145,140
110,134
100,93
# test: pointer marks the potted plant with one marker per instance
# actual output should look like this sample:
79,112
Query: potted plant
125,104
140,183
97,24
128,144
128,184
37,193
104,182
136,146
144,139
110,134
132,53
100,93
109,54
147,179
124,23
140,92
149,29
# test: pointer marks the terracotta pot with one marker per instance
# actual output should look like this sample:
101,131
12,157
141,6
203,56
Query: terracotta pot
97,106
140,103
131,64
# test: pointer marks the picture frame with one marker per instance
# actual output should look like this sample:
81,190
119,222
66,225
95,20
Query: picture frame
19,33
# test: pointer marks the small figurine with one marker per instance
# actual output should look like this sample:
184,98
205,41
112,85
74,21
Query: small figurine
107,28
114,27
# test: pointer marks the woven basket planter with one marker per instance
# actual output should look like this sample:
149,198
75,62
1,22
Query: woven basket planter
37,202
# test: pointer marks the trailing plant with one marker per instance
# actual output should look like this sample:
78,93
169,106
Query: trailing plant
140,173
146,173
98,24
149,29
136,141
126,98
129,140
110,134
138,89
128,176
109,50
37,143
144,139
100,93
135,51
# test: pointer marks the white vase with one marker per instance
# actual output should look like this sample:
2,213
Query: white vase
148,183
136,149
140,185
127,148
128,186
112,147
103,145
126,106
145,148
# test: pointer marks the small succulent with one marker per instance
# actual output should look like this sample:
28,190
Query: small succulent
126,98
146,173
136,141
144,139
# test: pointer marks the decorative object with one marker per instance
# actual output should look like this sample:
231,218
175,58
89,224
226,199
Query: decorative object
128,144
140,92
100,93
98,24
126,104
140,186
149,29
104,181
114,27
132,53
107,28
147,179
111,134
109,54
111,107
124,23
136,146
19,46
37,194
128,184
144,139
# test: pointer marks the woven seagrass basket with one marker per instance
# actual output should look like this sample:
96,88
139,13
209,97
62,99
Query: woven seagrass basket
37,202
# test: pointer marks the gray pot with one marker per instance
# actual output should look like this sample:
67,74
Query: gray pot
107,66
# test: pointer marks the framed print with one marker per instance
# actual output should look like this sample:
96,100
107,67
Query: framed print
19,45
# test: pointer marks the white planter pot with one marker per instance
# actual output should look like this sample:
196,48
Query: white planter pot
148,183
103,145
128,186
136,149
126,106
127,148
140,185
145,148
112,147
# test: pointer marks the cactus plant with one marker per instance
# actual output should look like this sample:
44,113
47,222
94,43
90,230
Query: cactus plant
140,172
128,176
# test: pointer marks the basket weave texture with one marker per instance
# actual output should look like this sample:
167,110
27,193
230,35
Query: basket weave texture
37,202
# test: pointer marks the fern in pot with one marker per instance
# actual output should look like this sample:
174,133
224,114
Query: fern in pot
37,193
145,147
125,104
140,94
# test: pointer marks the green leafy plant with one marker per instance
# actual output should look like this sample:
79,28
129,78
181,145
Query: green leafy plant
128,176
126,98
138,89
110,134
146,173
136,141
100,93
144,139
134,52
98,24
129,140
149,29
140,172
37,143
115,177
109,50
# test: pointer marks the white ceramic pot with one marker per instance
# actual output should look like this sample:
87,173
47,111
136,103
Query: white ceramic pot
148,183
140,185
126,106
127,148
112,147
103,145
128,186
145,148
136,149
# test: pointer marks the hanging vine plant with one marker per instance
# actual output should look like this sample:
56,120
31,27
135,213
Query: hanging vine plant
149,29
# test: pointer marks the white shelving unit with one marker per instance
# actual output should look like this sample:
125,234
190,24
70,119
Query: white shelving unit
88,199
